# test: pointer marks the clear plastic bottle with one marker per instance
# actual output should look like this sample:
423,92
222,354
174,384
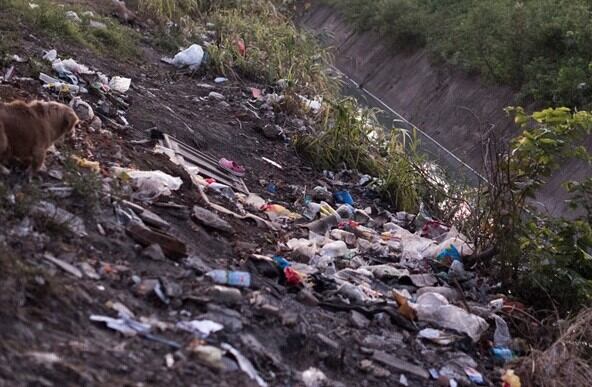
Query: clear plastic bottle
240,279
312,210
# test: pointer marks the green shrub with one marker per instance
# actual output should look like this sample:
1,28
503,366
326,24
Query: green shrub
538,252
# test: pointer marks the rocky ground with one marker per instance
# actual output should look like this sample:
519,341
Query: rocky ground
338,315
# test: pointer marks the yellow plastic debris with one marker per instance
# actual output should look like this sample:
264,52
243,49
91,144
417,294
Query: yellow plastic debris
510,379
94,166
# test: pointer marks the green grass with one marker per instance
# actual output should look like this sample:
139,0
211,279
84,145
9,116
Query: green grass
350,136
275,49
50,21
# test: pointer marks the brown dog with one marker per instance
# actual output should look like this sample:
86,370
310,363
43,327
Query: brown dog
27,130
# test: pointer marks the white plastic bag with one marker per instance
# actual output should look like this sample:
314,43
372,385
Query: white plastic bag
434,308
150,184
190,57
120,84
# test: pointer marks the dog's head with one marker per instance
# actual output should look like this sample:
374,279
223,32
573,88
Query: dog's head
61,118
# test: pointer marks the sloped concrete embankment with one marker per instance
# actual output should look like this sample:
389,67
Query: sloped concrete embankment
457,109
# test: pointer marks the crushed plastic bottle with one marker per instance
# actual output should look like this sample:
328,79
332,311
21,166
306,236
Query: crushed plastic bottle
312,210
224,190
240,279
334,249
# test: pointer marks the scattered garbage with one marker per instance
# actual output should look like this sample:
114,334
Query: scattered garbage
191,57
232,278
63,265
474,376
343,197
245,365
120,84
278,166
232,167
435,308
149,184
510,379
201,328
504,354
60,216
211,220
313,377
327,250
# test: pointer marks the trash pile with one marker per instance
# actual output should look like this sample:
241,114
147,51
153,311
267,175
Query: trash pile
303,282
74,79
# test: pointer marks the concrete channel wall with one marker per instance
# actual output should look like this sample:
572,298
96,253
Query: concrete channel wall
456,109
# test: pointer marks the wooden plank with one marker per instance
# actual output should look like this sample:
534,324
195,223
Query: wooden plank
207,165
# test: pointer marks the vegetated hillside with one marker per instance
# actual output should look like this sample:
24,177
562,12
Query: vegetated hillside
543,48
106,257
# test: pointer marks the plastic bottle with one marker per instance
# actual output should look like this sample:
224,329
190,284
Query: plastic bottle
345,211
312,210
233,278
334,249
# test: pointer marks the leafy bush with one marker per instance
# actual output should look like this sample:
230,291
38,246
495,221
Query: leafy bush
537,252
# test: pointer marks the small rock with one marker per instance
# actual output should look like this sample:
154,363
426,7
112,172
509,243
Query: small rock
224,295
358,319
271,131
89,271
145,287
208,355
96,123
328,342
231,319
154,252
73,16
306,297
171,288
320,194
63,265
60,216
289,319
216,95
196,263
210,219
97,24
171,246
400,365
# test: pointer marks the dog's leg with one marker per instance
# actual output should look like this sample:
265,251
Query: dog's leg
37,160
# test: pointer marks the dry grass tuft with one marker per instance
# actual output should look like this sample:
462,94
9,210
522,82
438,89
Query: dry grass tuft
567,363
